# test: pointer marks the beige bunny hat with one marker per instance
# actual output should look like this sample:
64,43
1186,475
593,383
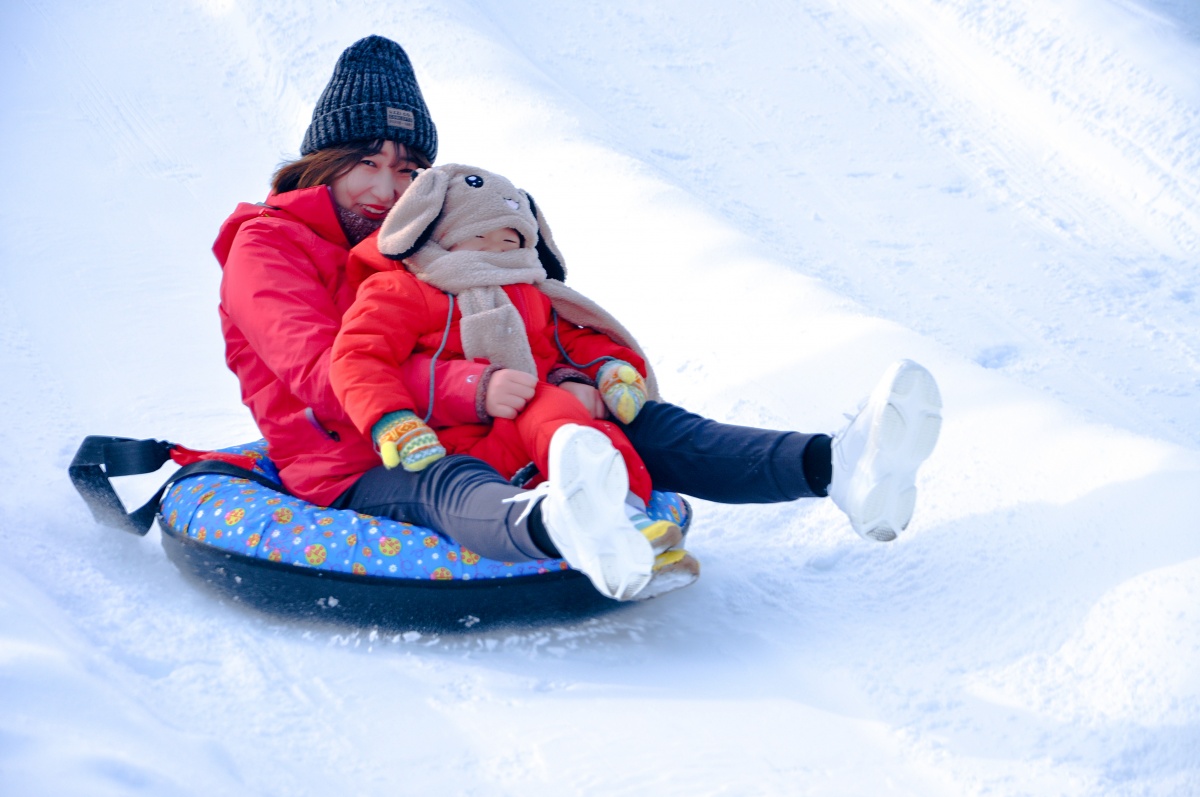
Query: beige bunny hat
449,204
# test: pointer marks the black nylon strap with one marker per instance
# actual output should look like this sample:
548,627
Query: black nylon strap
523,476
92,468
100,458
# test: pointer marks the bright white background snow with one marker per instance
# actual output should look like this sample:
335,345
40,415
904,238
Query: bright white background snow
779,198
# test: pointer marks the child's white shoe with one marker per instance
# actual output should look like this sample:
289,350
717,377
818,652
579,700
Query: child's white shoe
584,513
876,456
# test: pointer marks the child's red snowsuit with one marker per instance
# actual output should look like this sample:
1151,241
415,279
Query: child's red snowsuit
395,315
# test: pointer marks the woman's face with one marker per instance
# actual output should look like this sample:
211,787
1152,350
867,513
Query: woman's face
374,184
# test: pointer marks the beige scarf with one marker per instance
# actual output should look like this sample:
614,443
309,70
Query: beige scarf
491,326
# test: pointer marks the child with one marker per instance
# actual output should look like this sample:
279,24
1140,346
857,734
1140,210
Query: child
465,276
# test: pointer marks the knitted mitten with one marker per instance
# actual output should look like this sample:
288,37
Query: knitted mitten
622,388
404,439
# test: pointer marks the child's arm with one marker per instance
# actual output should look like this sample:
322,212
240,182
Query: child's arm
458,389
466,392
378,333
617,371
588,350
507,392
588,396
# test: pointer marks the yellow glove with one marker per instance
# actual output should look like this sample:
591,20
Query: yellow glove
404,439
622,388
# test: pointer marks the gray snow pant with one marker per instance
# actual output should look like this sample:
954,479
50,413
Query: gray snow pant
460,496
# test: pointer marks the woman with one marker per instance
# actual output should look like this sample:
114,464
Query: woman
284,290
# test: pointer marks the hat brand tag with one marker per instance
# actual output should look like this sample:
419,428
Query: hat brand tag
398,117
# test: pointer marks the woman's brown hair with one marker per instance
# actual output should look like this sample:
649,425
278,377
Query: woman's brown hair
326,165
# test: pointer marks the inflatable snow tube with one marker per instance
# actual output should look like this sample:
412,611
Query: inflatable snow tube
277,553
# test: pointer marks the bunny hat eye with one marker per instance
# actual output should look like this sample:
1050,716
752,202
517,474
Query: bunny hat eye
473,180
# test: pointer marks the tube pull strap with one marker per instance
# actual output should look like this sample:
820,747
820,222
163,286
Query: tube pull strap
100,459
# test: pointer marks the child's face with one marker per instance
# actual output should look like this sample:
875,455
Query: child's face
503,240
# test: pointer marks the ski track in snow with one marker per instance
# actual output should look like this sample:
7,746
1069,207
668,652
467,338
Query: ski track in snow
801,192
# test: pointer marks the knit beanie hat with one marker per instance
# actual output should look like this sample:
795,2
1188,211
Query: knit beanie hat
373,94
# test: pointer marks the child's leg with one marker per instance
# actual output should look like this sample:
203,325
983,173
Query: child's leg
513,444
583,511
550,409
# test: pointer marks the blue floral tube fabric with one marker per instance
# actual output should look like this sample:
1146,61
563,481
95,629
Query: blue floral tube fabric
240,516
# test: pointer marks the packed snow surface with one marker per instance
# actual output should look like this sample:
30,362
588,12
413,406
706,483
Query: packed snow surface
779,199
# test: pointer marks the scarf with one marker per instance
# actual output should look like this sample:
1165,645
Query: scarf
491,326
356,227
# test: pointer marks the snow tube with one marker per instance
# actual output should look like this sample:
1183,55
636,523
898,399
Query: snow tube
275,552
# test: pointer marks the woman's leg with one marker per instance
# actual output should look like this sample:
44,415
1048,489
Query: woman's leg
690,454
459,496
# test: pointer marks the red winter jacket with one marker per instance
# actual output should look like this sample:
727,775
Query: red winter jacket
283,292
397,316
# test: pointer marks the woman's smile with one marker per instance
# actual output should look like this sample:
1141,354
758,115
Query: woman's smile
373,212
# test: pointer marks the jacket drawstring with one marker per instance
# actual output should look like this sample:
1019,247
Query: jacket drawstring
438,353
566,357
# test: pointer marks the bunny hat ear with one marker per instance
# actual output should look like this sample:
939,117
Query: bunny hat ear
410,222
547,251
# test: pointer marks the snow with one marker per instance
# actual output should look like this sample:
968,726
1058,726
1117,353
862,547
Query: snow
779,199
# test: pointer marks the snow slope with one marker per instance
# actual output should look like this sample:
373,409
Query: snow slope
1005,191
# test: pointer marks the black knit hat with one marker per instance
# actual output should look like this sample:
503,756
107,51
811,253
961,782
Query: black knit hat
373,94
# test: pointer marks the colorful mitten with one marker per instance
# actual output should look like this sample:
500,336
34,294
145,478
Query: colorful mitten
622,389
404,439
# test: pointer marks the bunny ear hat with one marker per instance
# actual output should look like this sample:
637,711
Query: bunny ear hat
459,202
449,204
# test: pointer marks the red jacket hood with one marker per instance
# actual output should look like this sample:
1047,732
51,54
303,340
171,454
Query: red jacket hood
310,207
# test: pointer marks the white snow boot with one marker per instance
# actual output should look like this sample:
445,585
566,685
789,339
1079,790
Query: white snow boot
584,513
876,456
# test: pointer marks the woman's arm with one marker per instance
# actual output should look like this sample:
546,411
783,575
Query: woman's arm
272,291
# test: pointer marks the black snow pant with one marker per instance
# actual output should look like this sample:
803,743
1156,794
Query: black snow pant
460,496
